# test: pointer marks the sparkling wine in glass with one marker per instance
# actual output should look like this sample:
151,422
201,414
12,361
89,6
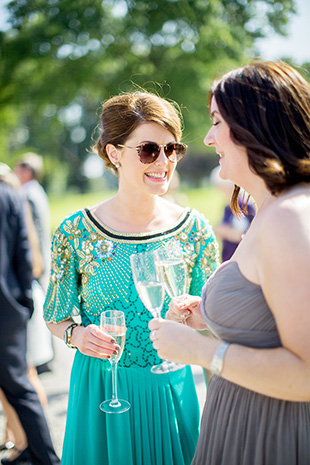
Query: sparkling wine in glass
172,271
152,296
113,322
151,292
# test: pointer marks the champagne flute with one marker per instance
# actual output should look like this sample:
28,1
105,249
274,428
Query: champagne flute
151,291
172,271
113,322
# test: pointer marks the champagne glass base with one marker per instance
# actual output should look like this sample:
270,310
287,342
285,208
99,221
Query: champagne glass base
166,367
120,406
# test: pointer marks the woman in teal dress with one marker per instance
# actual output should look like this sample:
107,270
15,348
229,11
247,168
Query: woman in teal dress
91,273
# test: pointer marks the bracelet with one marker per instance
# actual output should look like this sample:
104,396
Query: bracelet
217,362
68,335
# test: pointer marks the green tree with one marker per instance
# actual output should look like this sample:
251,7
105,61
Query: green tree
60,59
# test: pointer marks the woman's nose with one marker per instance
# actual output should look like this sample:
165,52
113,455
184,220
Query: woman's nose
162,159
209,139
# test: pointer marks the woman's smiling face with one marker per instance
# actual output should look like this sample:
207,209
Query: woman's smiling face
233,157
150,178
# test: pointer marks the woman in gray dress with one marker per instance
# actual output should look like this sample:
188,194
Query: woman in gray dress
257,305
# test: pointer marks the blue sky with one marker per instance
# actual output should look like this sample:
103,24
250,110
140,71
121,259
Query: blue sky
295,45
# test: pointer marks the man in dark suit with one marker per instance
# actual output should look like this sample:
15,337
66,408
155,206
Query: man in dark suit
16,308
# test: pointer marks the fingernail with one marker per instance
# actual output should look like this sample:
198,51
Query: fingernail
112,340
115,352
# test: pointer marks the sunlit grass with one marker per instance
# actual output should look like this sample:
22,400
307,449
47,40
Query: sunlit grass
62,206
209,201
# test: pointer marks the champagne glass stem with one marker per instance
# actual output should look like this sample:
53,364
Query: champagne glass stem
114,402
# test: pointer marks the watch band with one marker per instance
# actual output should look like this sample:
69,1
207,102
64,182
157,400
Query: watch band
68,334
217,361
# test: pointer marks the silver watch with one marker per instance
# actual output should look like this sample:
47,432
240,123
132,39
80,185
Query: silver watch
68,334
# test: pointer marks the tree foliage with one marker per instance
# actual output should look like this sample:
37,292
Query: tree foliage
60,59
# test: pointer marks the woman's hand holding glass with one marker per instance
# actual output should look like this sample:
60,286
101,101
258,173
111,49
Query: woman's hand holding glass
174,341
187,309
94,341
177,342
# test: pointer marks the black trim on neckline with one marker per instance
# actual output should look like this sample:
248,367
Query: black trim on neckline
134,238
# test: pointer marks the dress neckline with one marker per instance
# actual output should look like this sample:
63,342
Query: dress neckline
136,236
236,265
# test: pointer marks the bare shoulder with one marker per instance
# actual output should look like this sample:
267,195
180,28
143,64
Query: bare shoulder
284,240
287,219
284,264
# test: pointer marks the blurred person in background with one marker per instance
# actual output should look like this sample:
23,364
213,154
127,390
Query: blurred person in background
29,170
16,307
232,227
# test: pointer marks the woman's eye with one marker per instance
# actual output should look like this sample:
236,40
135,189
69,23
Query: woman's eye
215,123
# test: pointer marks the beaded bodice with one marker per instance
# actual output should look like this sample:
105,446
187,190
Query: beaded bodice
91,272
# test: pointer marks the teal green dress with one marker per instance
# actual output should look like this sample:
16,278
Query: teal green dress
91,273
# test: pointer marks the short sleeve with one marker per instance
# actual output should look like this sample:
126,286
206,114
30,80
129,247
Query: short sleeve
207,254
62,299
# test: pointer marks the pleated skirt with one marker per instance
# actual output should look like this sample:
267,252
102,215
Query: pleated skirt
161,427
241,427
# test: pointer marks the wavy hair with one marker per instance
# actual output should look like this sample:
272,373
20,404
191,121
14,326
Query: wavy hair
267,107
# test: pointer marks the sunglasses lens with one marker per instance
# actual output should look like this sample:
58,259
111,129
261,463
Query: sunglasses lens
175,152
148,153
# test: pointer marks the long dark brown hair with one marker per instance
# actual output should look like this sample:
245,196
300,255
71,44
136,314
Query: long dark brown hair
267,107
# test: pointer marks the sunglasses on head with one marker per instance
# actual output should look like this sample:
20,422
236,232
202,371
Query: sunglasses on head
148,152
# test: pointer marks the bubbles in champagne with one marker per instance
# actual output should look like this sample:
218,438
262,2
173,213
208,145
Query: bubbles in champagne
152,296
119,334
172,273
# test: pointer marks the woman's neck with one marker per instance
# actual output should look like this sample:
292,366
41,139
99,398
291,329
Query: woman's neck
129,216
136,210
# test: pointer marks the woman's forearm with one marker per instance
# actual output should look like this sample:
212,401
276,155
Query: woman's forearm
58,329
260,370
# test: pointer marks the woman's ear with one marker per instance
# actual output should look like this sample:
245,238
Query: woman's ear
113,154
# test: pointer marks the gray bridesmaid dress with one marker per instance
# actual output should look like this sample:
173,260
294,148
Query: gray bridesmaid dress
239,426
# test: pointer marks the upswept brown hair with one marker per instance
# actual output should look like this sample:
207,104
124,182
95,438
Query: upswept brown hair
123,113
267,107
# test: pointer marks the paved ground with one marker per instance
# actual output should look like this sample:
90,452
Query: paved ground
56,384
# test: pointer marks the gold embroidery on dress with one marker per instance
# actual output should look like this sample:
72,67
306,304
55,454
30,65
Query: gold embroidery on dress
94,255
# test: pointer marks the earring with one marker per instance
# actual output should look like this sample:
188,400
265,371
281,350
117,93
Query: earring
117,165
